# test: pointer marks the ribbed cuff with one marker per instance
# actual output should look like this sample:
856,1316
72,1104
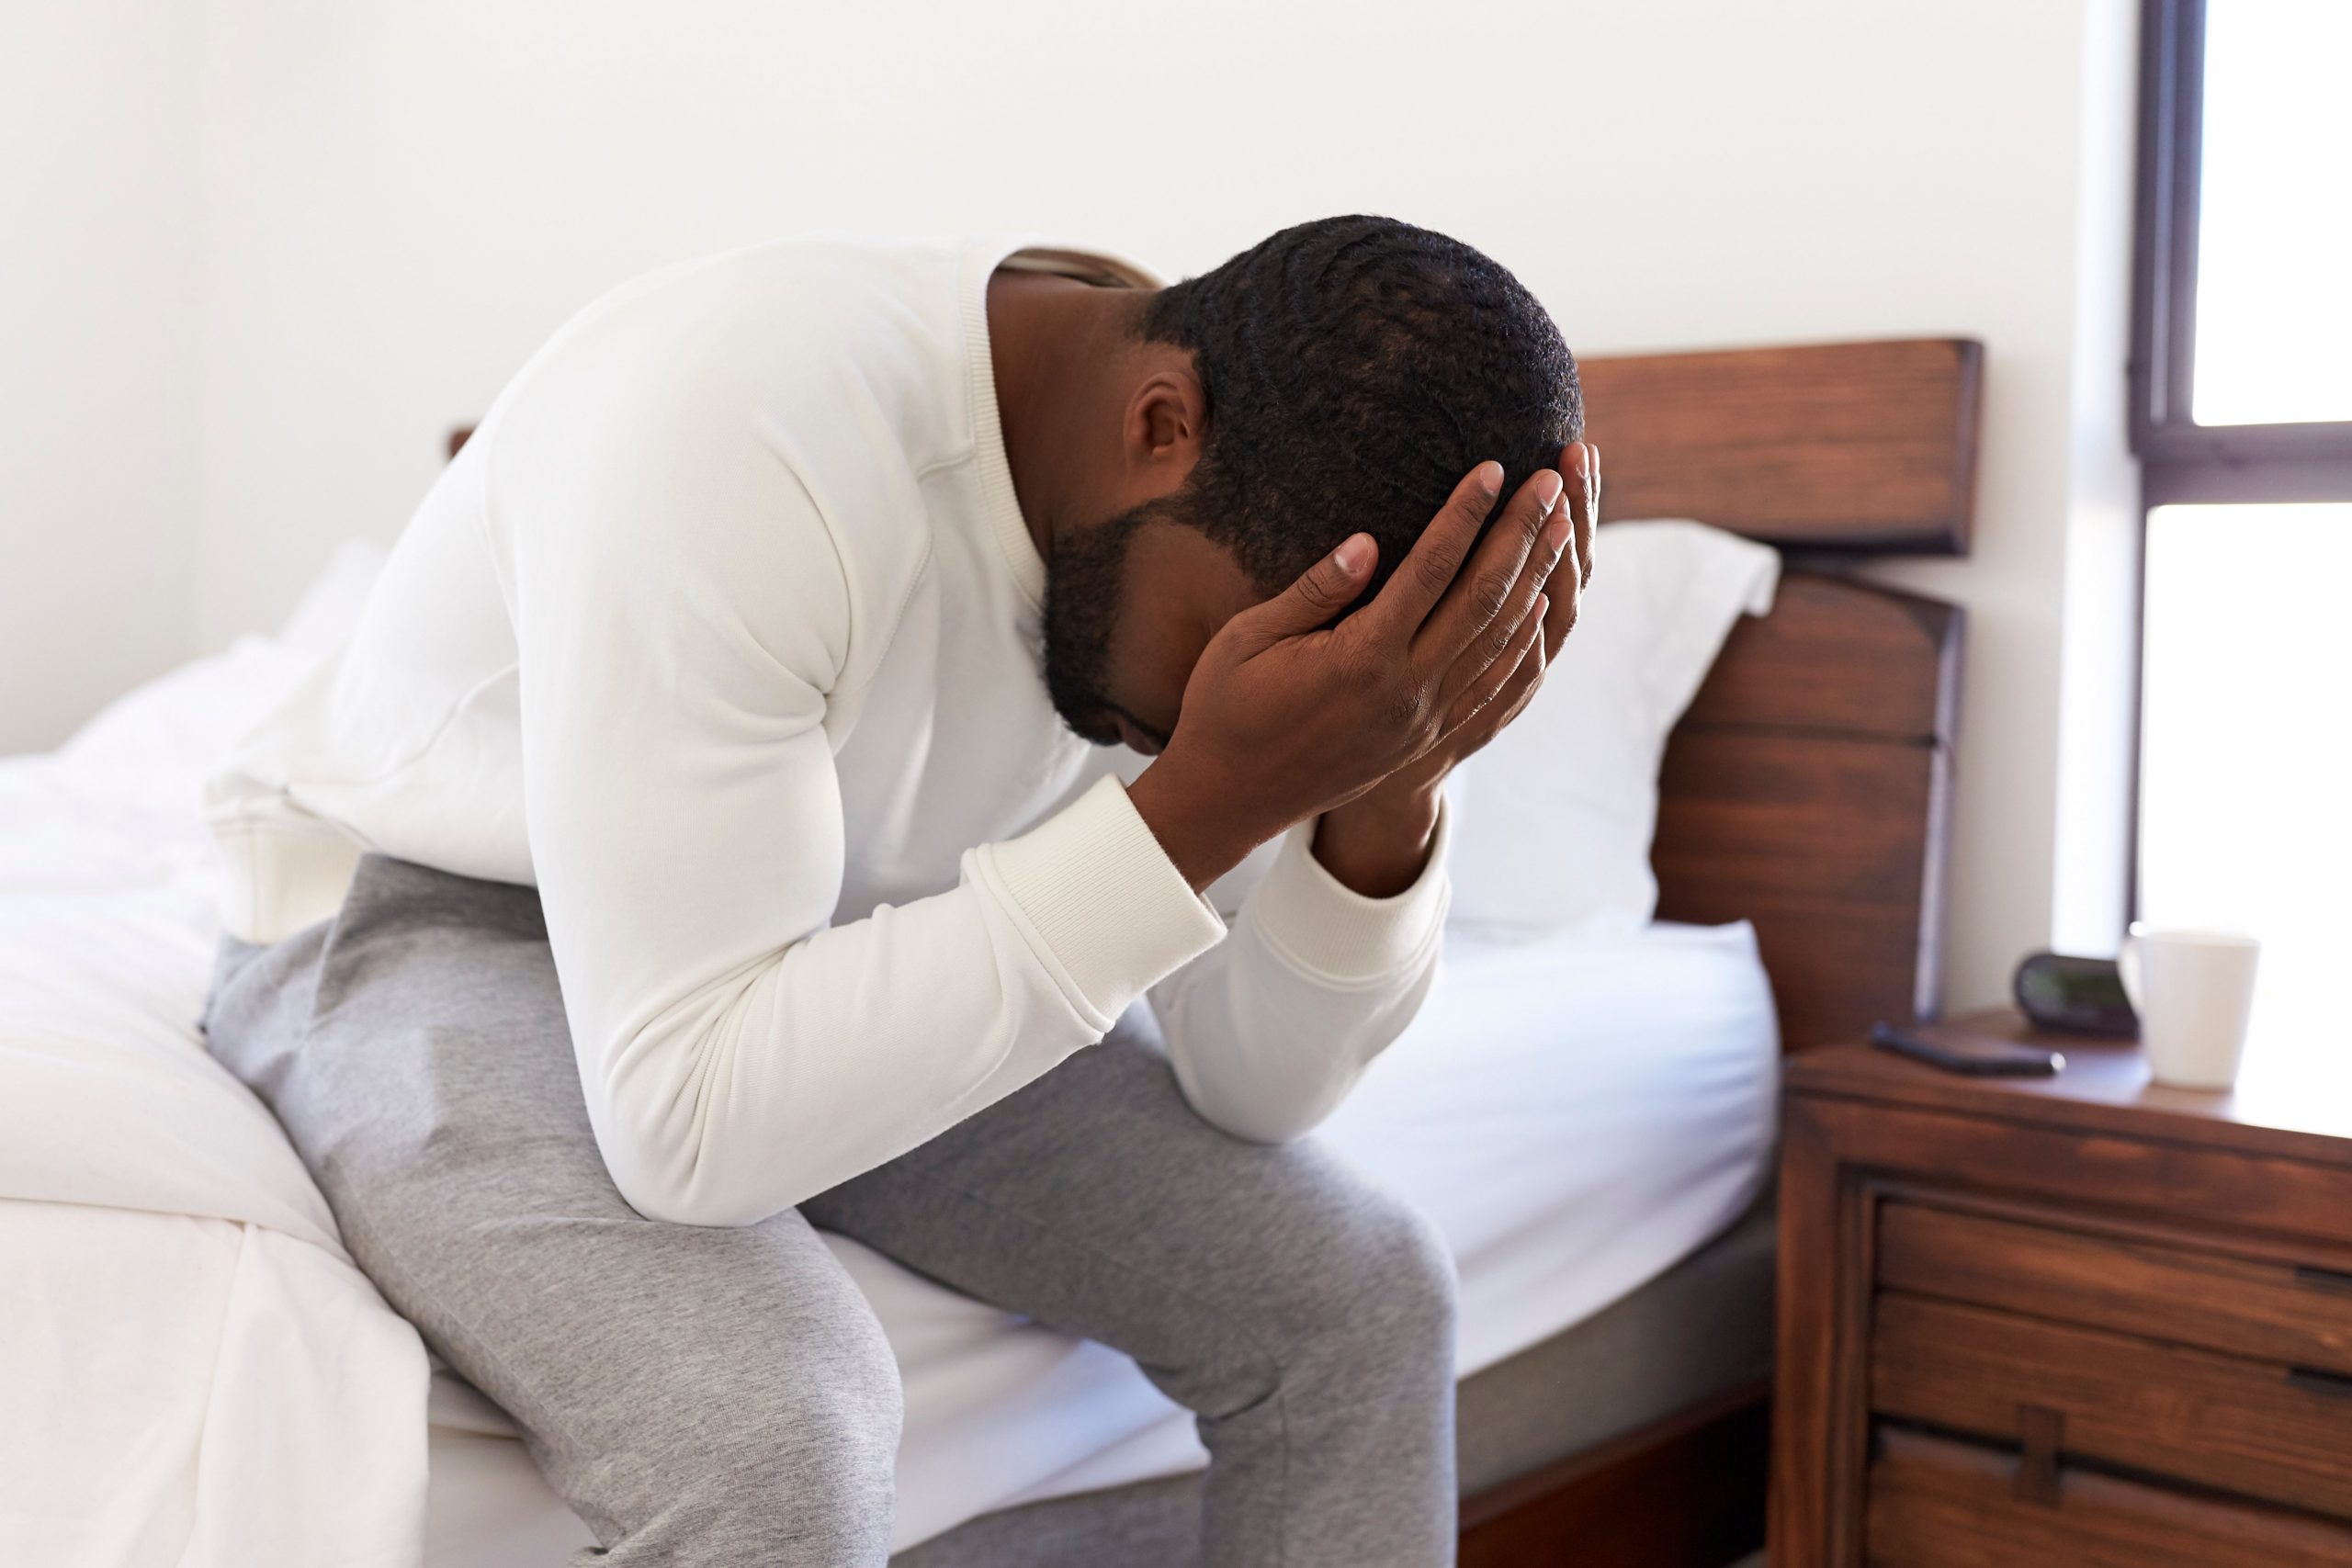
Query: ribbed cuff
277,877
1103,901
1329,930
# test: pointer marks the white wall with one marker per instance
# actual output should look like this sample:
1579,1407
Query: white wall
403,200
97,373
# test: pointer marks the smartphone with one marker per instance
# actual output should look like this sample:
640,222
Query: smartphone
2001,1061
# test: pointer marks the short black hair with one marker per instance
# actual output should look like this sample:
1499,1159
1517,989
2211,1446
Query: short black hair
1356,368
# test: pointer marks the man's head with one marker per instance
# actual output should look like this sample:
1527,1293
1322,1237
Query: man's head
1339,376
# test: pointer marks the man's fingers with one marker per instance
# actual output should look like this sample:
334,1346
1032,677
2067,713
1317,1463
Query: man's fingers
1538,574
1324,590
1526,646
1430,567
1580,462
1482,589
1483,708
1591,518
1497,716
1567,592
1510,698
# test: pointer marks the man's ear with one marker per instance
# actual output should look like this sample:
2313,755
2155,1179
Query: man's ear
1165,423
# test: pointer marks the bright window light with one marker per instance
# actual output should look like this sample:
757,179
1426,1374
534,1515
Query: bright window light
2274,243
2247,753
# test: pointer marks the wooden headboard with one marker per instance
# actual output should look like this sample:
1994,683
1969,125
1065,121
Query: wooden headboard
1808,789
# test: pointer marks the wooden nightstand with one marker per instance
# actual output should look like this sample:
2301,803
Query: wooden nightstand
2079,1319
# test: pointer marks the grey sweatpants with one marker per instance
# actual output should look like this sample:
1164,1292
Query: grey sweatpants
724,1396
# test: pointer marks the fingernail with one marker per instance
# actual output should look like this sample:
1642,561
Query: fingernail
1584,461
1548,486
1490,477
1349,556
1555,537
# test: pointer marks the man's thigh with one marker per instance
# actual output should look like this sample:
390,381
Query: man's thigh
417,1053
1097,1202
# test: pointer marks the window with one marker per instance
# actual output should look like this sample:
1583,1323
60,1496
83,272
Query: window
2273,232
2241,416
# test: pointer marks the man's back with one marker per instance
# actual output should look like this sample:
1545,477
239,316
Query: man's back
839,380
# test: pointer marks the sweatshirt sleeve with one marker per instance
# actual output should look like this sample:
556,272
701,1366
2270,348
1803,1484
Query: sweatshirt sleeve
1269,1031
683,619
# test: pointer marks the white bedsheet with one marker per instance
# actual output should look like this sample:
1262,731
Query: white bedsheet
192,1373
197,1376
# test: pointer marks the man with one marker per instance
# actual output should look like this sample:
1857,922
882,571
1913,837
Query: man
740,675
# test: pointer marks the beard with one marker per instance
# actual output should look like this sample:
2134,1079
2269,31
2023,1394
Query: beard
1085,579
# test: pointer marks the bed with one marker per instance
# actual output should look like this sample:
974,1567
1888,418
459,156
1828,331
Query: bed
1611,1223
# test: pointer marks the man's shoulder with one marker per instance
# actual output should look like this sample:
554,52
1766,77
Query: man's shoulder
773,411
838,351
816,275
768,316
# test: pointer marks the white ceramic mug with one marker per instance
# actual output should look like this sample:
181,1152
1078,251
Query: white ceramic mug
2193,991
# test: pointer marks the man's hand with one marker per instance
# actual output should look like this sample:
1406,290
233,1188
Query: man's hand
1378,842
1286,717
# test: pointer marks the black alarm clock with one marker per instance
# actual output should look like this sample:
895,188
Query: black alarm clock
2080,996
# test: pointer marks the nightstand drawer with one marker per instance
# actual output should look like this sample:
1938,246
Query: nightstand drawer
2270,1311
1938,1503
2262,1430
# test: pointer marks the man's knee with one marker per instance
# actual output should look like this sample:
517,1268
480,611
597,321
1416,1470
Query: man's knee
820,1456
792,1462
1354,1275
1389,1282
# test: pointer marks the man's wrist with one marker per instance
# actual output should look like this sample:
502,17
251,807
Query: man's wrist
1198,828
1378,844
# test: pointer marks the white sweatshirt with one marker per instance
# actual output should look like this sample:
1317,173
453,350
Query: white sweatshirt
723,631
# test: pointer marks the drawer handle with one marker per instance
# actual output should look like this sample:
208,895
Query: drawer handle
2042,1432
2336,1280
2335,1385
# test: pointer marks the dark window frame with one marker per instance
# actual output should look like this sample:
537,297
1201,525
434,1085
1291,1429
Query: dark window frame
2182,460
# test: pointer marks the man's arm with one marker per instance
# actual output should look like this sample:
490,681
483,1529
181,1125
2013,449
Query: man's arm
1269,1031
1337,945
683,620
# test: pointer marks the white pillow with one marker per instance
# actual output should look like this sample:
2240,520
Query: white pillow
1552,820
